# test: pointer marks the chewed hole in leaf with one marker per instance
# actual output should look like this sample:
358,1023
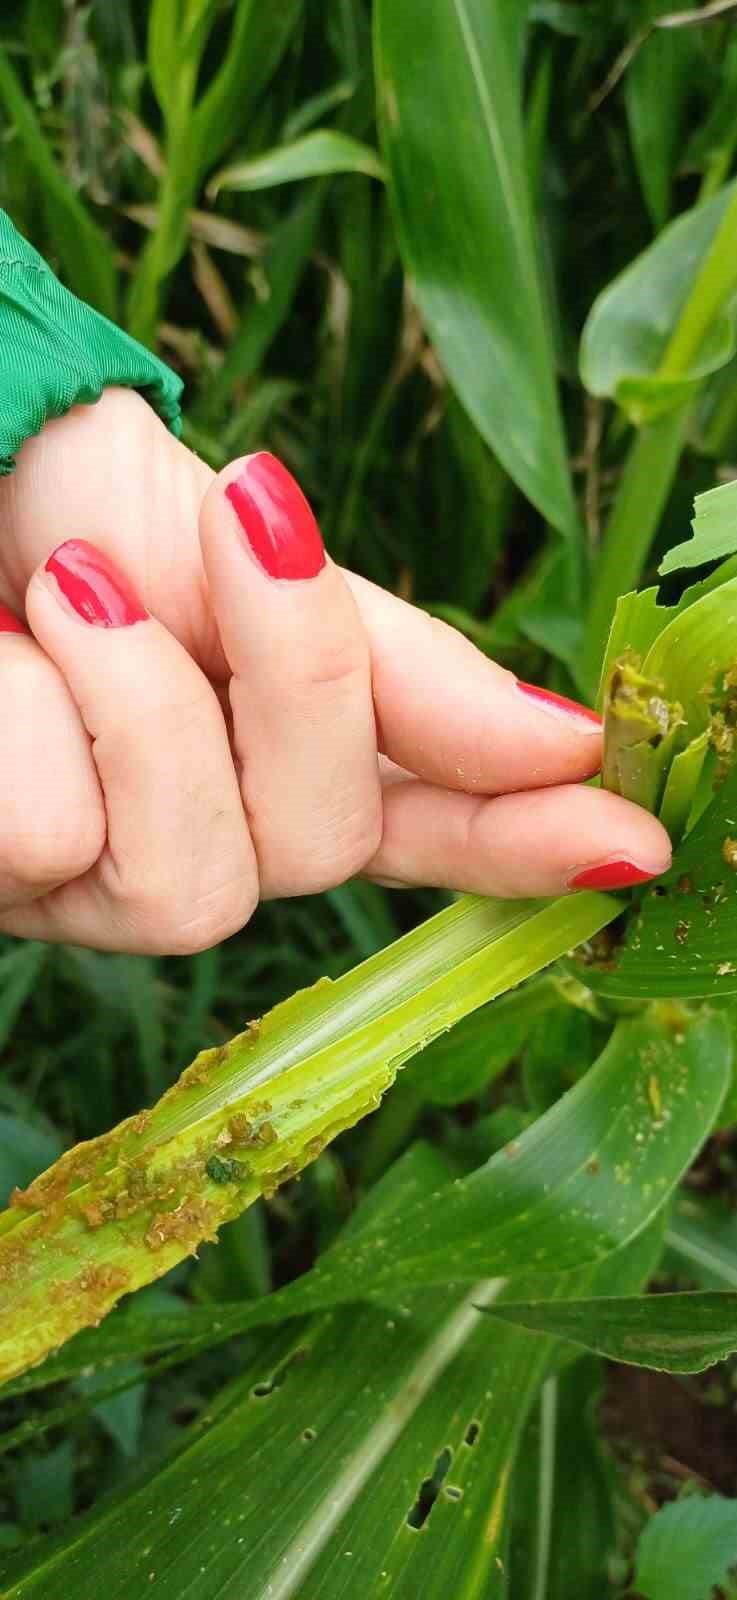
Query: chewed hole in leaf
261,1391
308,1435
429,1490
472,1432
453,1492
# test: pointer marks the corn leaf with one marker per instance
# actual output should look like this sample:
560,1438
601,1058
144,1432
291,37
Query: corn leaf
259,37
656,87
639,620
118,1212
698,645
629,327
668,1332
562,1512
687,1548
701,1241
317,155
365,1430
572,1188
714,531
465,225
581,1182
683,942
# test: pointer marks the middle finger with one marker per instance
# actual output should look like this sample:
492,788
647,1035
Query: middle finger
301,688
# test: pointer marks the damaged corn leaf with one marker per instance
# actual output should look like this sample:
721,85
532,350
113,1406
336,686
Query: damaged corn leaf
714,531
665,1332
670,709
682,941
578,1185
416,1434
698,645
639,620
118,1212
641,729
362,1456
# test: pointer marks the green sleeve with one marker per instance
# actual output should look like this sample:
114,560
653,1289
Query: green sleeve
56,352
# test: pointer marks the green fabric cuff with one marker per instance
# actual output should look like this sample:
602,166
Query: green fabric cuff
56,352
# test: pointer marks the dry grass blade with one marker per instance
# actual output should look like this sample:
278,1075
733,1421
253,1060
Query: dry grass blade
672,19
203,225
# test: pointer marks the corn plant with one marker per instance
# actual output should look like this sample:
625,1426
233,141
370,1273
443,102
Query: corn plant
409,1406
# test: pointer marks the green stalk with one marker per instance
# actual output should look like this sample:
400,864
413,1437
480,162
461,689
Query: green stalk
163,247
653,459
114,1214
177,190
643,490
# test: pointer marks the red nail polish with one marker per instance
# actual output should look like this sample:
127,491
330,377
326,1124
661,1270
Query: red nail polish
9,623
560,706
610,875
276,519
96,589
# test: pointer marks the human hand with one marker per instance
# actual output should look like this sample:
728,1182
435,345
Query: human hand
203,710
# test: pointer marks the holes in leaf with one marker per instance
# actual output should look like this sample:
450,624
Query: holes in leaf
472,1432
308,1435
429,1490
452,1492
261,1391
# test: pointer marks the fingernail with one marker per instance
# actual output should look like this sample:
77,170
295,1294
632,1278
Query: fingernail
94,587
558,705
610,875
276,519
9,623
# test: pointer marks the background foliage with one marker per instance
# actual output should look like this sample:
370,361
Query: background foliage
490,327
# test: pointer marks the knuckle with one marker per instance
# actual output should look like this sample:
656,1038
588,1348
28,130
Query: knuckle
340,663
332,859
80,851
45,856
169,926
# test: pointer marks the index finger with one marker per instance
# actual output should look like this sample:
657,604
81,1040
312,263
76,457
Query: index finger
450,715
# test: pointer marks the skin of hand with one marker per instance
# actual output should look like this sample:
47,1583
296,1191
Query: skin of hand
200,709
